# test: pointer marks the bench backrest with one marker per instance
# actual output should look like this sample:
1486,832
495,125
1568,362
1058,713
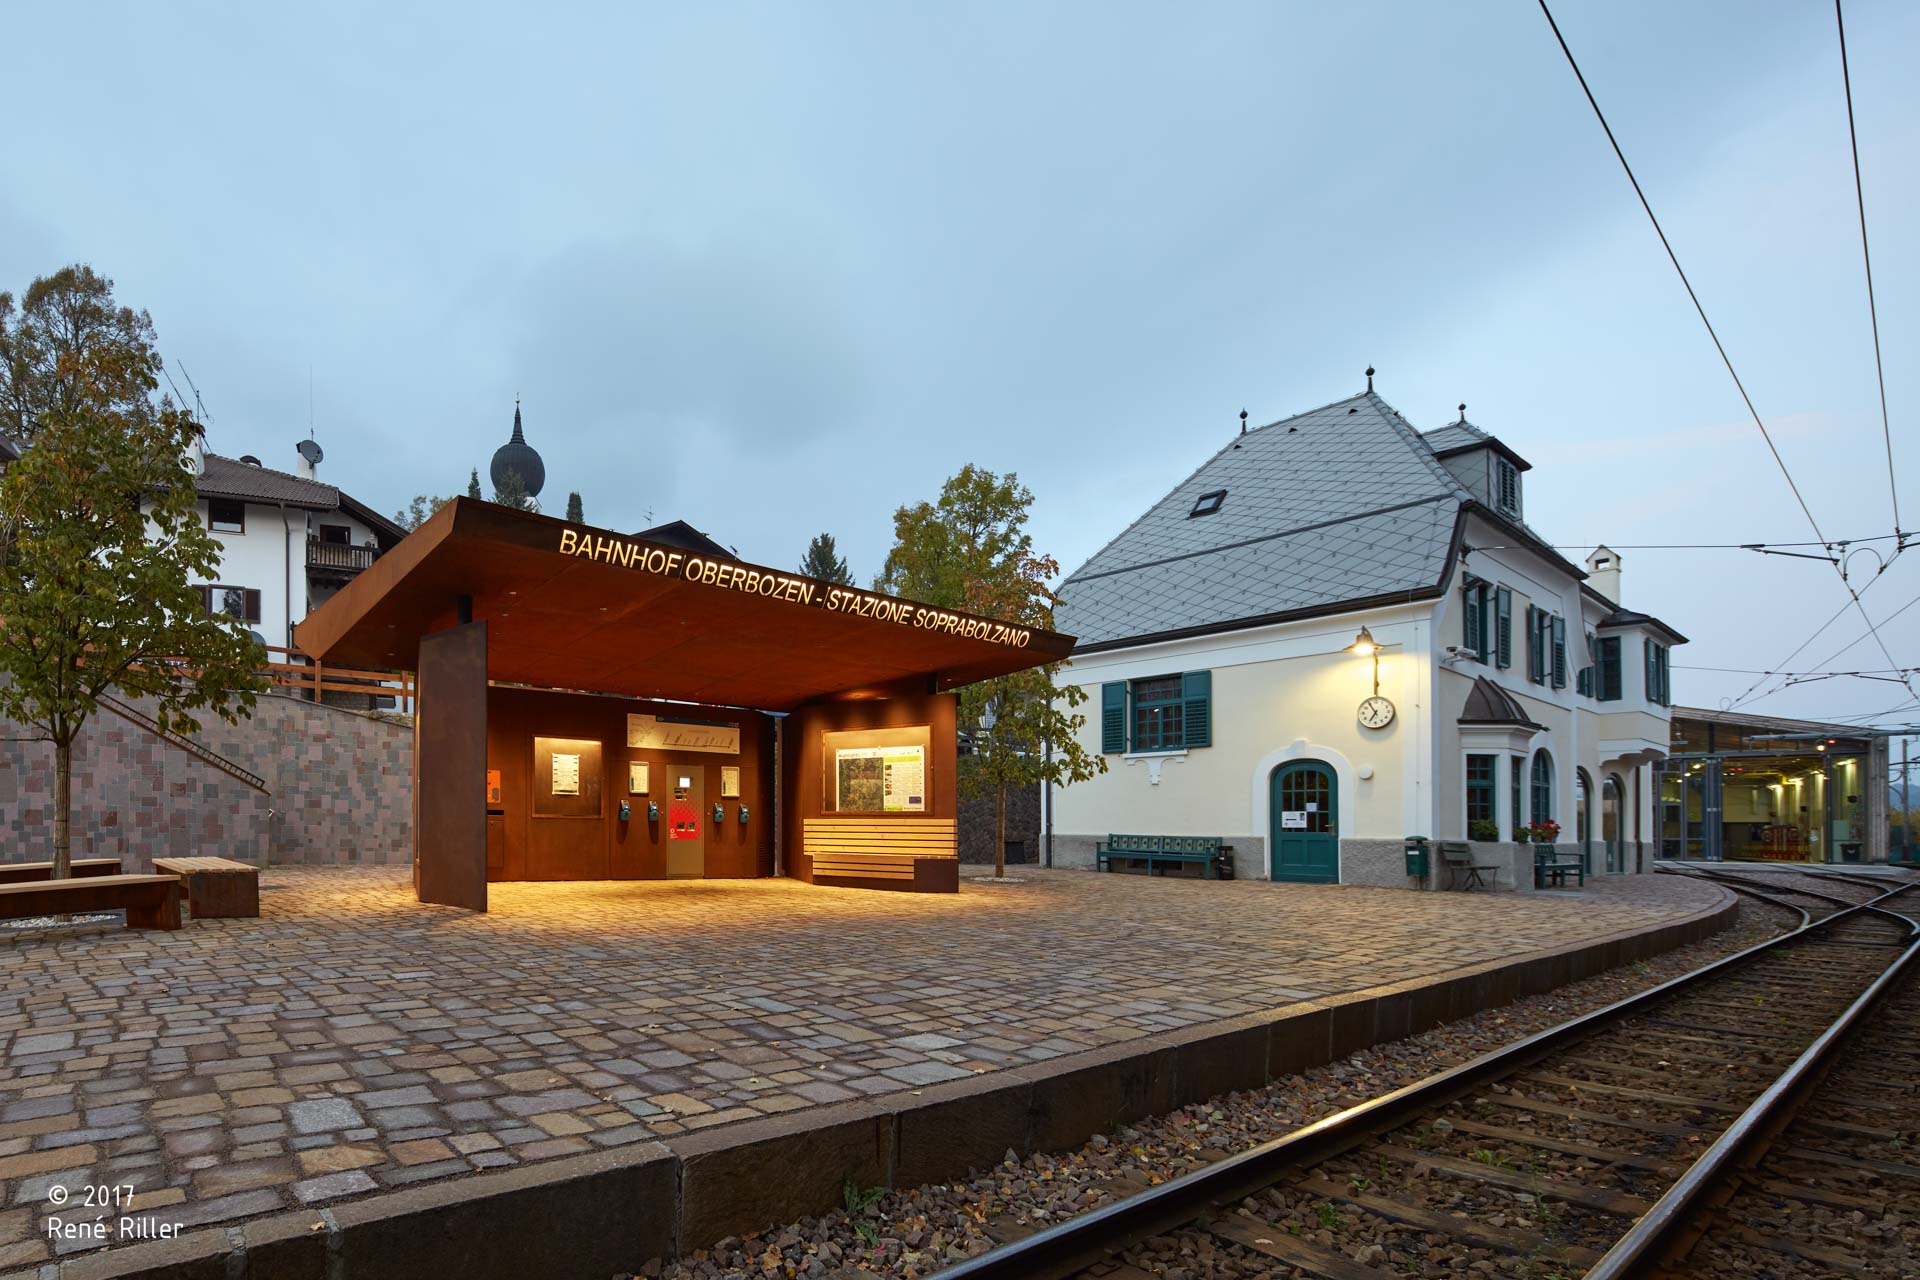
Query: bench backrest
1455,851
88,884
1164,844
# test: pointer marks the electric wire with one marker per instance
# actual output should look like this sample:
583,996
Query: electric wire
1674,258
1866,259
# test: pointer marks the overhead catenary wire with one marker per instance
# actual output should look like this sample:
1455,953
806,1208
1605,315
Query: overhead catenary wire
1866,259
1725,359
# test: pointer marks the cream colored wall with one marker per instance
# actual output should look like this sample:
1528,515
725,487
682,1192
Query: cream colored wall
1279,693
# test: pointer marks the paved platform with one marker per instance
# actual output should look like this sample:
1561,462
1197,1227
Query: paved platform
351,1041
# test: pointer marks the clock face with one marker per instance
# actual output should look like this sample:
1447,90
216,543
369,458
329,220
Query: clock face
1376,712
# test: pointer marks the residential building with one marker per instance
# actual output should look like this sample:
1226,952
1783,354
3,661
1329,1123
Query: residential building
1340,632
288,541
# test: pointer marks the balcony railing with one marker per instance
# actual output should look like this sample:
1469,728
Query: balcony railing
338,556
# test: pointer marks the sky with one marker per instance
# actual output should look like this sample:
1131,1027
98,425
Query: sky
779,269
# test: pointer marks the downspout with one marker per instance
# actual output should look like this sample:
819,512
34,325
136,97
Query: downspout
286,585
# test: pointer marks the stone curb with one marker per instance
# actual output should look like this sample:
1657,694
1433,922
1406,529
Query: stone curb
607,1212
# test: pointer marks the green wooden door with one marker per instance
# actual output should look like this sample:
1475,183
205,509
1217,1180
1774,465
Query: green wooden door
1305,836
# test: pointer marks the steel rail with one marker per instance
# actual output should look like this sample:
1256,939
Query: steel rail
1660,1237
1742,883
1806,917
1080,1242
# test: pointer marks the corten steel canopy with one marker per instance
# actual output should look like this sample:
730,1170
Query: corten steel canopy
571,607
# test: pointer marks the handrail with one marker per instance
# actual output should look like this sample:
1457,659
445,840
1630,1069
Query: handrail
200,751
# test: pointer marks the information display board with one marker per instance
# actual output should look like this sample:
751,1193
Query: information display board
880,779
566,778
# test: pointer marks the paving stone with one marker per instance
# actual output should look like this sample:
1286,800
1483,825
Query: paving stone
324,1114
333,1186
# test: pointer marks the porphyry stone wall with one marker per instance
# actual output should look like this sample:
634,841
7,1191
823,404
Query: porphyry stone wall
978,825
340,788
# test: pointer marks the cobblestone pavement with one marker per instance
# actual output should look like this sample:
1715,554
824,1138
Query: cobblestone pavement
352,1040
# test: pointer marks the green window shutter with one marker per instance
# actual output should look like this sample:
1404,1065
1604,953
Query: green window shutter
1472,625
1535,658
1503,627
1196,695
1113,716
1652,686
1559,629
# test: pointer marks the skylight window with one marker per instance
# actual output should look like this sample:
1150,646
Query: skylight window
1207,503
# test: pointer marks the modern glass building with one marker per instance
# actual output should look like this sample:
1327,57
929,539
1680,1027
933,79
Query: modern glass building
1746,788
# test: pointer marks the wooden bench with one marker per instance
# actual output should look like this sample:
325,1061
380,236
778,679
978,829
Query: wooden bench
1155,850
920,855
27,872
1549,865
217,888
151,902
1457,857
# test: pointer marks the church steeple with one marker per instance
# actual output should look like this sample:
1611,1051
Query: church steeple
519,457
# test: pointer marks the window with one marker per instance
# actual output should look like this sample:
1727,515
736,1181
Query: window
1506,486
336,535
1558,632
1480,793
1546,648
1659,676
1503,628
1584,678
1542,786
239,603
1157,713
1607,669
1477,621
226,516
1207,503
1515,821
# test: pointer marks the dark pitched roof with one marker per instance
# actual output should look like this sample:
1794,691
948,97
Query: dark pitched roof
231,478
1632,618
678,533
1458,437
1488,703
1325,510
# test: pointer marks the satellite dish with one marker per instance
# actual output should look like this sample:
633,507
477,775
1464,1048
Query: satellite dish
310,450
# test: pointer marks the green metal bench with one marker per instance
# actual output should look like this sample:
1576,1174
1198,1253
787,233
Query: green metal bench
1549,865
1155,850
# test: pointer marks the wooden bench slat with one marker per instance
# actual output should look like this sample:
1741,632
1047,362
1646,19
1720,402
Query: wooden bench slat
150,901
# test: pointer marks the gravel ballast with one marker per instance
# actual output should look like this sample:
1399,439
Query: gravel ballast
917,1231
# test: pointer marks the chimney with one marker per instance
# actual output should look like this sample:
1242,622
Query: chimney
310,456
1603,572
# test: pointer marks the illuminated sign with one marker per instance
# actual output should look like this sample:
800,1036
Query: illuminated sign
644,557
660,734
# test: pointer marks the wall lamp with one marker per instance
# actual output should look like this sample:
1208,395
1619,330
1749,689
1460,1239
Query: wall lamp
1367,647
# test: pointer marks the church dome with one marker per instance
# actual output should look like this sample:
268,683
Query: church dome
516,455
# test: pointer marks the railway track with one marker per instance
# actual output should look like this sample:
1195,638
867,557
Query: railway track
1606,1146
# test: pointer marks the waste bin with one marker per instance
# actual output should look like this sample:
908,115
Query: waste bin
1223,863
1417,856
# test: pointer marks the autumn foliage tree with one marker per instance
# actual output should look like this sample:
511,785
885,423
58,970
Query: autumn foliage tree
101,544
970,551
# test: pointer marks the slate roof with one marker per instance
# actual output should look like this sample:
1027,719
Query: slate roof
1338,506
1455,435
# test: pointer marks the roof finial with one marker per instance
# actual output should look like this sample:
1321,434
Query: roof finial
1243,422
1369,378
1463,411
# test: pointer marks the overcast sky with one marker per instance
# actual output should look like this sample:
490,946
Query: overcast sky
777,270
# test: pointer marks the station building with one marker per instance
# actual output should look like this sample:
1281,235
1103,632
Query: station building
1340,632
599,706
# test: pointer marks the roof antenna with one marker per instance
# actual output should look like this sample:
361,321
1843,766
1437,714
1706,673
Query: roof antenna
1369,378
1463,411
1243,422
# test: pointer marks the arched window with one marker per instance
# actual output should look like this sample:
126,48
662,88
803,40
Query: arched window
1542,786
1613,824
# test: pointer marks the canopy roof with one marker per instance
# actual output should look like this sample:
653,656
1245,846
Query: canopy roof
573,607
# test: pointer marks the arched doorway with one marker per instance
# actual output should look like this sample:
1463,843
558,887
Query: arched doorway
1305,828
1612,821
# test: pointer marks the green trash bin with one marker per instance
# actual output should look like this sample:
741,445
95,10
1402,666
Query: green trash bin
1417,863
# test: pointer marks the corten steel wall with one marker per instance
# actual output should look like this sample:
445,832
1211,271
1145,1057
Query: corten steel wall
341,782
608,848
801,765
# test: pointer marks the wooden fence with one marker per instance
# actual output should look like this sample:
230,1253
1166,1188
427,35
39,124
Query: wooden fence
294,669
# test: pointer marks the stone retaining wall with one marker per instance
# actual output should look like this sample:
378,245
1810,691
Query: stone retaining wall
340,783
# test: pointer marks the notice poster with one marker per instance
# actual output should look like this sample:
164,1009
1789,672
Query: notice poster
880,779
1293,820
566,774
730,782
637,777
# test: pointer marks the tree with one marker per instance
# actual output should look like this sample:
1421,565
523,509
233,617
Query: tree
419,511
61,319
970,551
824,561
473,484
512,492
576,513
100,544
